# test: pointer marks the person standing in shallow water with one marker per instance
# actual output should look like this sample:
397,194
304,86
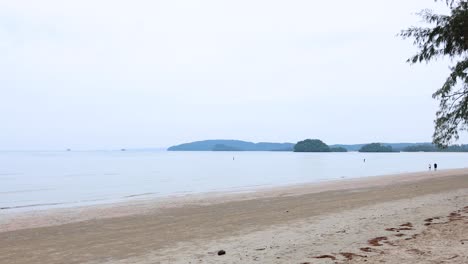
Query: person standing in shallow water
435,166
429,166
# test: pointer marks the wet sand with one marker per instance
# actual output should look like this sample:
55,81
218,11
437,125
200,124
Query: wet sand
407,218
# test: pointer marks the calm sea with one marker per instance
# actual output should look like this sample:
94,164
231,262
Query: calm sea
38,180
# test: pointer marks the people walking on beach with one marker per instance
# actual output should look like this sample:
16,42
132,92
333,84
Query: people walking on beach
429,166
435,166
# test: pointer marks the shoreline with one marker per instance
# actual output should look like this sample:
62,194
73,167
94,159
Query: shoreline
405,218
103,181
12,219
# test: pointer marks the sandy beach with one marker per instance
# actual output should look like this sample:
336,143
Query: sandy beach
406,218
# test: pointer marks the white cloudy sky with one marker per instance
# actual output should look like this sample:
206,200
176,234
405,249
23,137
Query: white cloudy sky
111,74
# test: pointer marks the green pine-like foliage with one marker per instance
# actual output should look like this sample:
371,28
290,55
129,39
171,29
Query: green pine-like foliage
446,37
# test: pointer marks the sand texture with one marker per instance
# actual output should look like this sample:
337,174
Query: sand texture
408,218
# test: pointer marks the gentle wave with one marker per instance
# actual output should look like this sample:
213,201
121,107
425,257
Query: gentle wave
50,204
29,205
27,191
139,195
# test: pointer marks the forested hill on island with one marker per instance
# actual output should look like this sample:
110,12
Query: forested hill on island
232,145
238,145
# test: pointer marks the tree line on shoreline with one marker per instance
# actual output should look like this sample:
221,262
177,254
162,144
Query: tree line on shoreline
316,145
312,145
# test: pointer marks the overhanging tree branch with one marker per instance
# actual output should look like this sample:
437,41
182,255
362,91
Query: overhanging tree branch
448,37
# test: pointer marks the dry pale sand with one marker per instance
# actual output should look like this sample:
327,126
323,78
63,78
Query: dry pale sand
410,218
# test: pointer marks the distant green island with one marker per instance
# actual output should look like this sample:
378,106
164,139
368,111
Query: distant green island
312,145
434,148
316,145
376,147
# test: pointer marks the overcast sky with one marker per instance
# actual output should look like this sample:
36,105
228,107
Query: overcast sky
112,74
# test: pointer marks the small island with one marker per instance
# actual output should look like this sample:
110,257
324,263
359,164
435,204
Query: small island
316,145
376,147
338,149
434,148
